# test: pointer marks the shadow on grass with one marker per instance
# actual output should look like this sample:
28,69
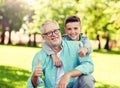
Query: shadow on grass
104,85
10,77
107,52
13,77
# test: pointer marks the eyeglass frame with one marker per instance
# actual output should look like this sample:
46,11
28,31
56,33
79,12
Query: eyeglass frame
56,31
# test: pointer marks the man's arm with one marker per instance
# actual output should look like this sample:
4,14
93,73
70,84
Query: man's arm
34,81
37,73
66,77
74,73
35,78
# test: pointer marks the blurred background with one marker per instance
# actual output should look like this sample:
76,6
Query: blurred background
20,36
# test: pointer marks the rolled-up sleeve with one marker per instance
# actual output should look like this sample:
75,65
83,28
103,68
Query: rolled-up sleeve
30,85
86,65
34,64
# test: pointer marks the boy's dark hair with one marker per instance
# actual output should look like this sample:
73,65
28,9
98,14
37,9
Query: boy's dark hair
72,19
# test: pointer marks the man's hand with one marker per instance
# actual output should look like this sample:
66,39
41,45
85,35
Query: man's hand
38,69
82,52
64,81
37,73
66,78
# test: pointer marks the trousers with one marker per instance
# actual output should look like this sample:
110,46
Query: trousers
84,81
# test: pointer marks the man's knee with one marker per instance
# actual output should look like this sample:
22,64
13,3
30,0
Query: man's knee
86,81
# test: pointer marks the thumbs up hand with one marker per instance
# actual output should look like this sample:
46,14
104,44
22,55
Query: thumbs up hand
82,52
37,72
38,69
39,62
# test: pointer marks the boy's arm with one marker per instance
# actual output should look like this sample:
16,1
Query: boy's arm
50,52
47,49
86,44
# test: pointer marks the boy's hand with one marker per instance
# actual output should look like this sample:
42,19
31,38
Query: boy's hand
56,61
82,52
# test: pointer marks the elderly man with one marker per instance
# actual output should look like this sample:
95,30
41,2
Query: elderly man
74,72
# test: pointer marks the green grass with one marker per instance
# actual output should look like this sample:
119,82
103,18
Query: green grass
107,65
15,67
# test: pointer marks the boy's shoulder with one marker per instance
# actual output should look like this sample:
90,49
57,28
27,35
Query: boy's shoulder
65,37
71,43
83,35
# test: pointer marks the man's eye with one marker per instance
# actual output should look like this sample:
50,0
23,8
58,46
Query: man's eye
68,28
48,33
75,28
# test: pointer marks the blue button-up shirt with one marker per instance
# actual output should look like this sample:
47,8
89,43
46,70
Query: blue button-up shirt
70,61
82,38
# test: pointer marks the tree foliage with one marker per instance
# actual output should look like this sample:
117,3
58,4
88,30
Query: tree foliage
12,12
11,16
98,17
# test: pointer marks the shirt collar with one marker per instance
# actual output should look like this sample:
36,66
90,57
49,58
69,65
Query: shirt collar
80,36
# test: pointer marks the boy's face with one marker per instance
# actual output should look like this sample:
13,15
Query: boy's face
73,30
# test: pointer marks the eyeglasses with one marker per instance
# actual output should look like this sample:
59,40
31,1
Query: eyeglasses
56,31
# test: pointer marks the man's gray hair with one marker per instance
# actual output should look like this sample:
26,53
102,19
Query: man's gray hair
47,22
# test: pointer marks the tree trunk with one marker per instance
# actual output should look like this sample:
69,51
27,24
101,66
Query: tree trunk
99,42
29,42
107,43
34,44
3,37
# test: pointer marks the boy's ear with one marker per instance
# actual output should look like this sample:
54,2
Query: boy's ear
65,29
80,28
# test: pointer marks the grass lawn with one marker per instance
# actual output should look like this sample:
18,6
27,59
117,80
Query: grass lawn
15,67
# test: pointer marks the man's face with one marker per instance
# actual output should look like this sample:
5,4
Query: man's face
52,34
73,30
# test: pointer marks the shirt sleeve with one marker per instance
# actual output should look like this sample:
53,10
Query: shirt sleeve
34,64
86,65
30,85
86,43
47,49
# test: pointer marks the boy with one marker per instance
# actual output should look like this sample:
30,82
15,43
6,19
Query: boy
73,33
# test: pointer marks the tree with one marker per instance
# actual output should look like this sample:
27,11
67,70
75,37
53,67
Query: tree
12,13
101,17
